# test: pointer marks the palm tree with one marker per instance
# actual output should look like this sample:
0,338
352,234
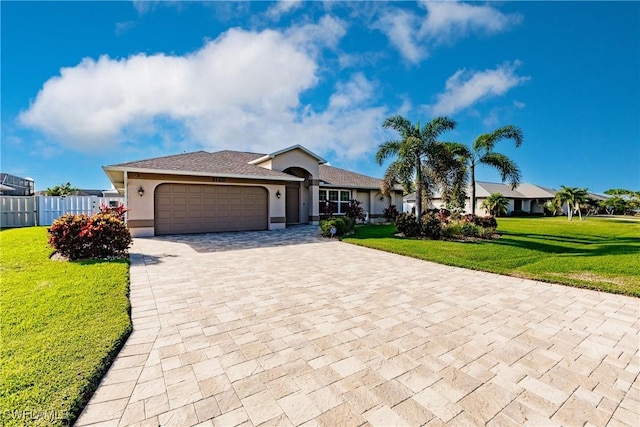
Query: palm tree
573,197
481,152
496,204
420,158
61,190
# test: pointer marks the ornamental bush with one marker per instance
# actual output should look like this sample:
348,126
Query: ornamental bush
68,235
337,223
431,226
354,210
406,224
83,237
390,213
436,224
488,221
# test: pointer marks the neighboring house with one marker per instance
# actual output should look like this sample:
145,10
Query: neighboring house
233,191
86,193
11,185
526,197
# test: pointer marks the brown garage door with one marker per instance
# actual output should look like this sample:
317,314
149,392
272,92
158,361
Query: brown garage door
194,208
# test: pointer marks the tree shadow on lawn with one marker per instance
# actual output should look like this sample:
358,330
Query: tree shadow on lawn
583,240
601,247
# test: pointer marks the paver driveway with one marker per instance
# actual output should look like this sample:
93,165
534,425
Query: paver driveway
282,328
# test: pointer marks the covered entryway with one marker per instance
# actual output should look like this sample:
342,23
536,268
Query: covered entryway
292,202
298,198
198,208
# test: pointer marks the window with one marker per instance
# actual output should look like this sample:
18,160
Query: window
338,200
114,203
517,205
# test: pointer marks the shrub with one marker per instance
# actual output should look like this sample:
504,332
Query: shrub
470,230
82,237
431,226
349,224
486,233
453,229
406,223
390,213
327,209
354,210
68,235
519,213
117,212
110,236
334,223
488,221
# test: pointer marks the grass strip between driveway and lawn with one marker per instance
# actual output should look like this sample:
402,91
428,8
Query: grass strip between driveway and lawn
598,253
62,324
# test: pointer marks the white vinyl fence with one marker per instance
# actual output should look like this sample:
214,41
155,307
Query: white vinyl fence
18,211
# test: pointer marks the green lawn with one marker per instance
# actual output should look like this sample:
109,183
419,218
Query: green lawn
62,324
598,253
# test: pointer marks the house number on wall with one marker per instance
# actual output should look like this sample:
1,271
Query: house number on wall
218,179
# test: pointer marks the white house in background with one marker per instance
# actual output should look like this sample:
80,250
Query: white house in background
526,197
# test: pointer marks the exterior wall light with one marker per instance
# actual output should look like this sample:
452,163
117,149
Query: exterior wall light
141,191
278,194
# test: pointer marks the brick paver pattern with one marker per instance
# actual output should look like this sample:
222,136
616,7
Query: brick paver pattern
285,328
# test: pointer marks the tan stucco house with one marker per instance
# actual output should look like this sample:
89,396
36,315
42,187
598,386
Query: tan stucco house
203,192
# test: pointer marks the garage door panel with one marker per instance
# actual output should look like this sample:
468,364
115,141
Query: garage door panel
197,208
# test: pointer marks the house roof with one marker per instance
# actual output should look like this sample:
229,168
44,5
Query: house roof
336,177
265,157
523,191
238,164
227,163
85,192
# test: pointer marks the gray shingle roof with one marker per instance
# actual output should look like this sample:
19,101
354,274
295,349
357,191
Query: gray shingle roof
523,191
343,178
229,162
219,163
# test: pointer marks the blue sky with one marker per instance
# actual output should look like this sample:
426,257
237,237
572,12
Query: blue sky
87,84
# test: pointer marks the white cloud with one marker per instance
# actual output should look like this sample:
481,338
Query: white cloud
400,27
464,88
145,6
444,22
283,7
123,27
241,90
448,20
519,104
314,37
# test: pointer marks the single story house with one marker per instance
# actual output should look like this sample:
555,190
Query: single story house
227,190
525,197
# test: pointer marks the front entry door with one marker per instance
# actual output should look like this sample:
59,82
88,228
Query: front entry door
292,201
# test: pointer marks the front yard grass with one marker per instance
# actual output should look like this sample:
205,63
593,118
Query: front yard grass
62,324
601,254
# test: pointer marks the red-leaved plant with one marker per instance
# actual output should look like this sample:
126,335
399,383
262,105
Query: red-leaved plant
82,237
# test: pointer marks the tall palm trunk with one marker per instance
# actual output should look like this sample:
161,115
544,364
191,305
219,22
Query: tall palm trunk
418,188
473,188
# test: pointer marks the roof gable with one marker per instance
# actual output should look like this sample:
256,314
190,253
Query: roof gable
266,157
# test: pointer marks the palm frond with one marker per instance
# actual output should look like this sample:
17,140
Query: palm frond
508,170
436,127
487,141
386,150
398,123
